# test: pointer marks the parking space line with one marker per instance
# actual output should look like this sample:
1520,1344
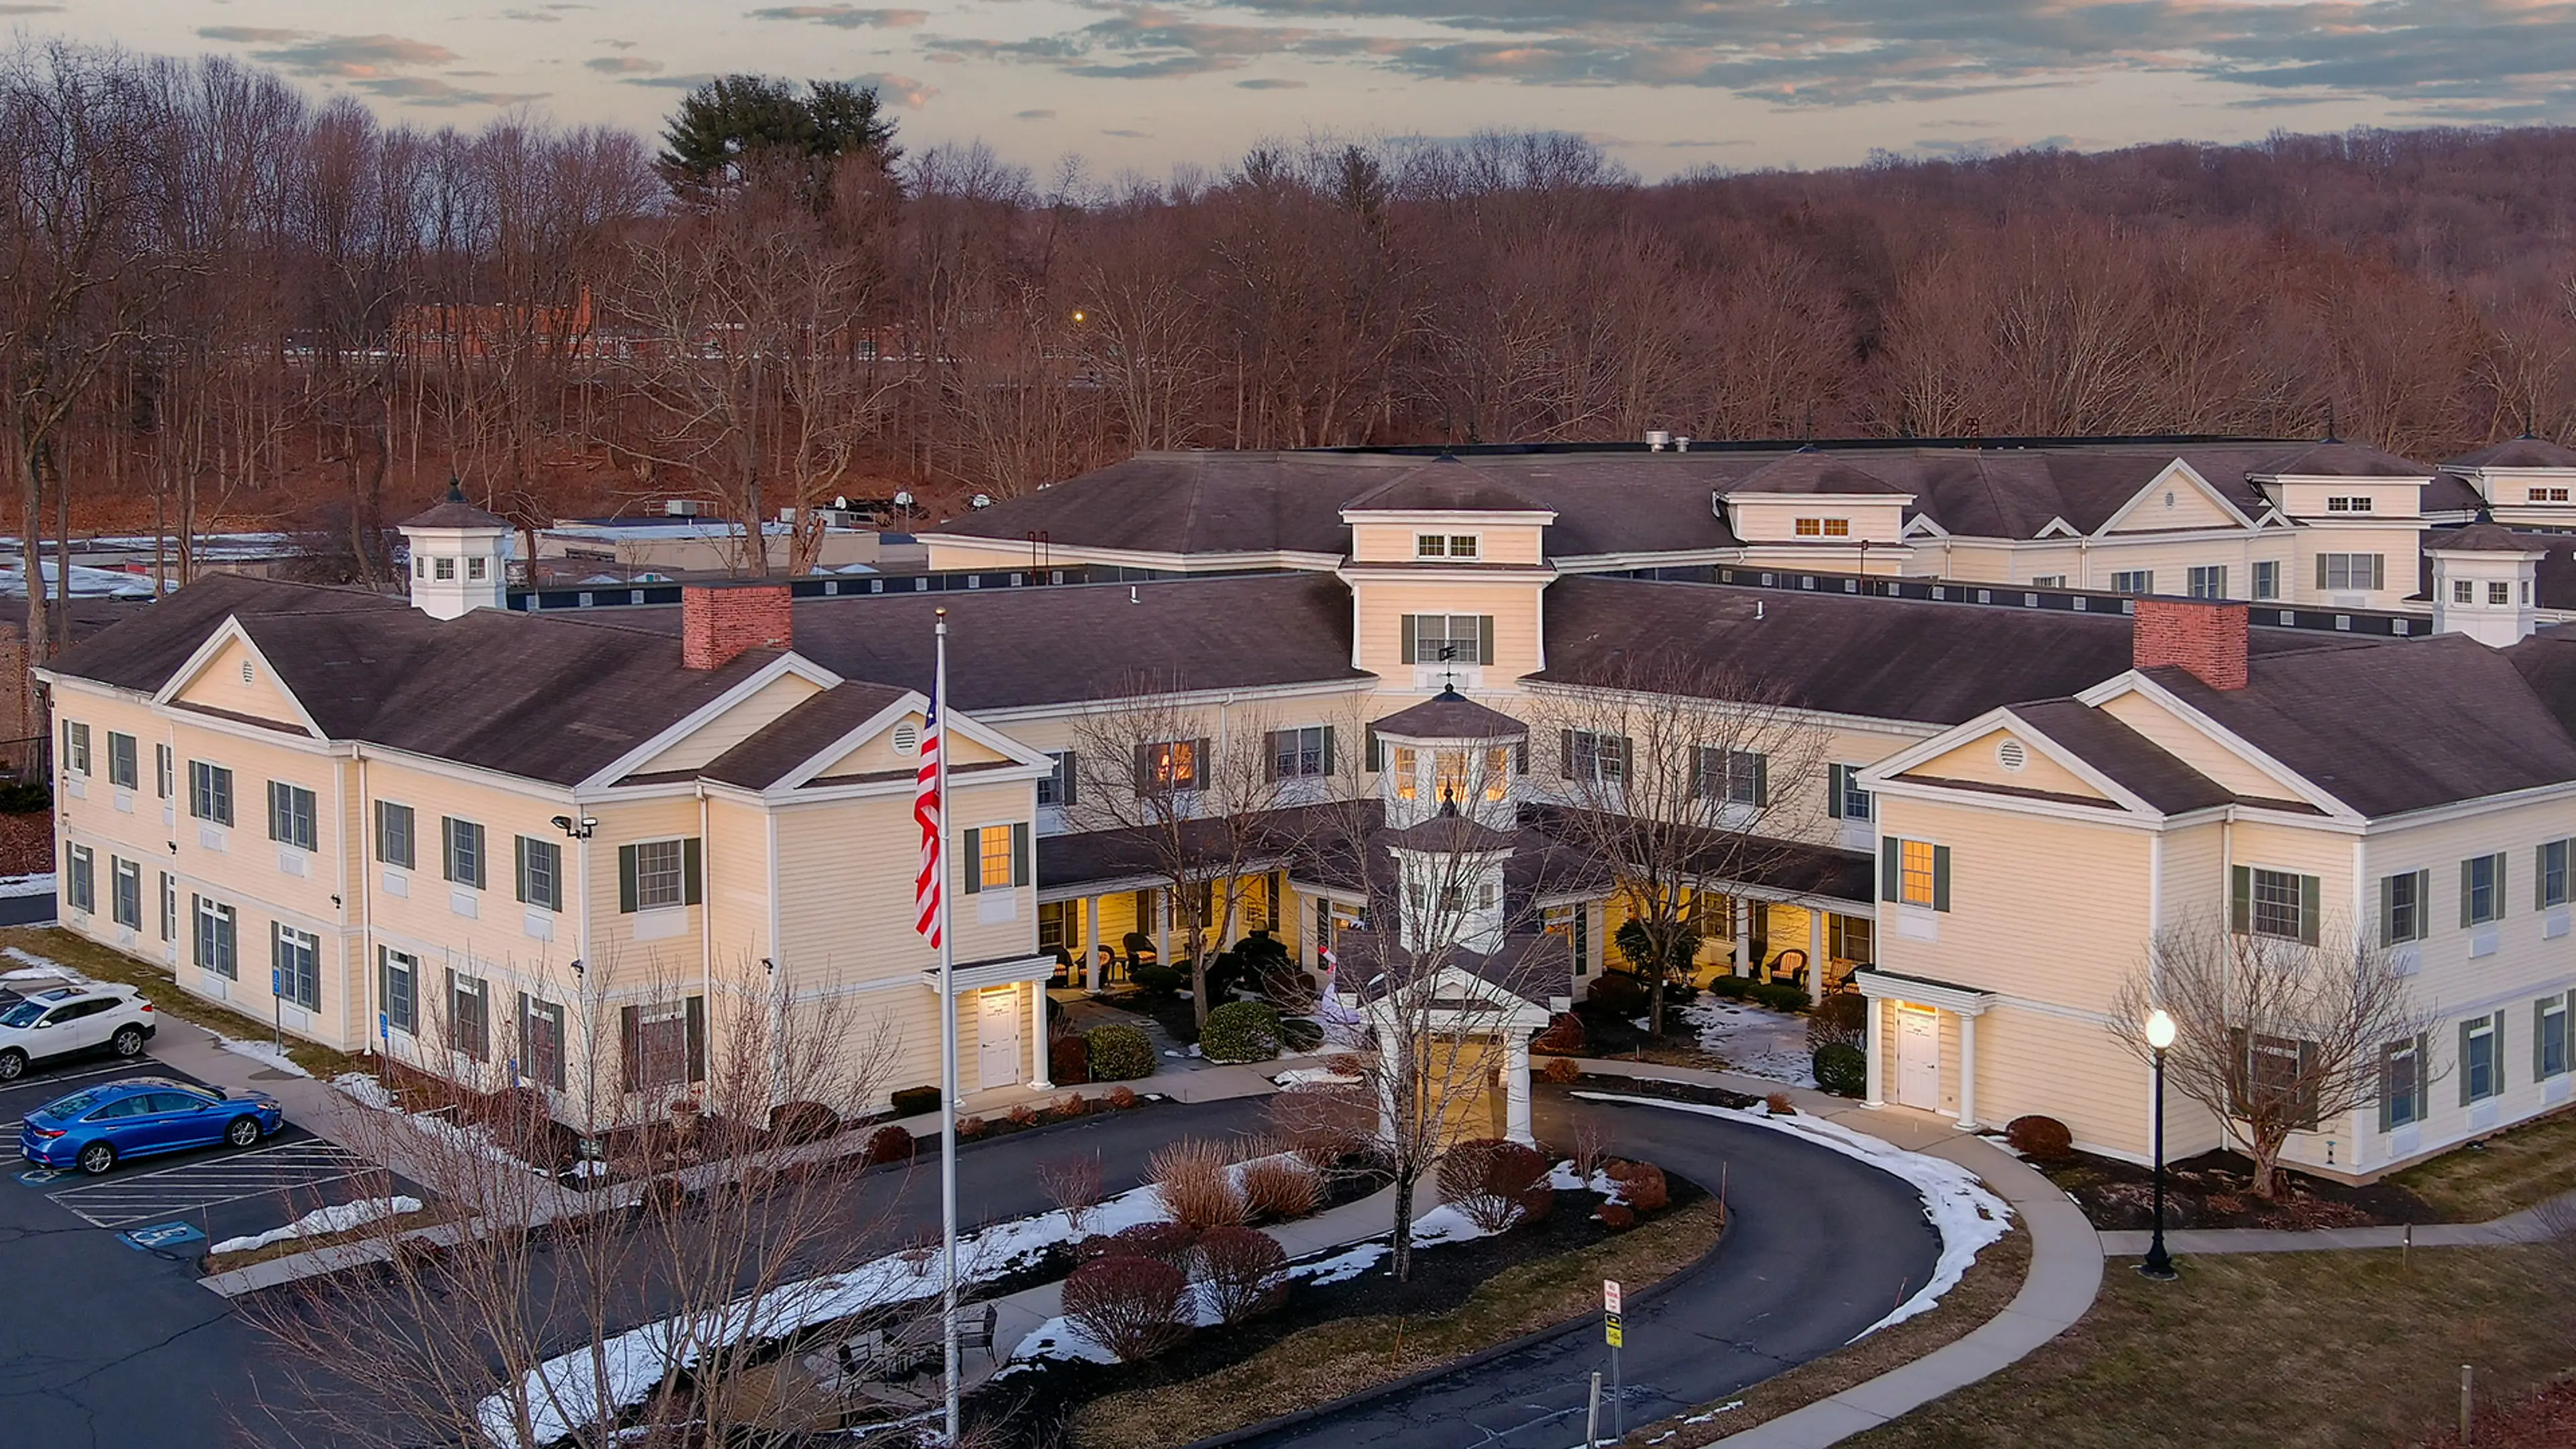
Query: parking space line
211,1183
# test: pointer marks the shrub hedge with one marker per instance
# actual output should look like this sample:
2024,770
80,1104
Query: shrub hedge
1240,1031
1842,1070
1118,1053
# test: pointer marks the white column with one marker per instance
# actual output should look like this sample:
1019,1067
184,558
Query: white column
1967,1072
1091,943
1875,1048
1740,916
1038,1077
1815,953
1516,1123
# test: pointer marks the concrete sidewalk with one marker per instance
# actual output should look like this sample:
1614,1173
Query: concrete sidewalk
2065,1264
2531,1225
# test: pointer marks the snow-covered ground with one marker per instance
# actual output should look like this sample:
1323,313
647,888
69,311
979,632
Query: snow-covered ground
1960,1208
265,1053
1296,1077
27,885
37,966
337,1218
363,1089
1754,1040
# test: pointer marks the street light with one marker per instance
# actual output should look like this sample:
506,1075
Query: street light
2158,1263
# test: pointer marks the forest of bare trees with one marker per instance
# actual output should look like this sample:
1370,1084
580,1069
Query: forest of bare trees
223,301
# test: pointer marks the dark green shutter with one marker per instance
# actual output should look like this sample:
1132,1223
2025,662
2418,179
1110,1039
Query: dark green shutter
520,844
1270,754
1331,768
1699,782
1940,877
447,846
2539,1024
1408,644
1762,782
1565,753
2311,905
1520,756
630,1047
2387,912
692,869
1891,868
1144,769
1023,870
626,880
2464,1063
2387,1084
2466,896
2540,878
1484,638
2240,898
1199,764
970,851
1371,749
2498,1019
2321,573
1069,787
697,1029
1834,791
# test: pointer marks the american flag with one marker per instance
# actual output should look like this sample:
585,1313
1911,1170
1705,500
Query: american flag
928,811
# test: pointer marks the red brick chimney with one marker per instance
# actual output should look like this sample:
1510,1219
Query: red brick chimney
2202,636
719,621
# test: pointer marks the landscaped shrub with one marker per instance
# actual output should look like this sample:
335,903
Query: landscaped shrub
1634,949
2041,1139
1779,1105
891,1144
1069,1061
1564,1035
1068,1106
1641,1185
969,1128
22,797
1241,1031
1119,1052
1615,1217
1619,993
1780,995
1496,1183
794,1123
1129,1306
1241,1272
1156,979
1842,1016
1120,1099
1171,1244
1192,1181
1842,1070
1733,988
1562,1070
1024,1115
1279,1188
913,1101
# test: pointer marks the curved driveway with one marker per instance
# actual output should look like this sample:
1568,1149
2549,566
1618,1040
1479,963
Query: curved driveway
1821,1246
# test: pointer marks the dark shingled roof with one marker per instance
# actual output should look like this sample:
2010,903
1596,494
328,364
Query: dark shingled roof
143,651
1811,470
2397,728
1867,656
1441,486
454,512
2518,453
2553,577
1448,833
1450,715
800,734
2480,538
2126,756
2335,458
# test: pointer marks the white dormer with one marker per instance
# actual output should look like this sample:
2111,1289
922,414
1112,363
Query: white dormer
2523,481
2484,580
460,558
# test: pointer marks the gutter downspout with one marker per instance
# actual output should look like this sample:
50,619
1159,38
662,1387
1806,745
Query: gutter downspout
366,905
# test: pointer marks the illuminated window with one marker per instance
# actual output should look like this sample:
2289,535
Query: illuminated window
1824,528
1498,774
1917,877
1408,785
993,859
1430,545
1462,545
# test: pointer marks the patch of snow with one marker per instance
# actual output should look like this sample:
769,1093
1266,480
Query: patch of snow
1444,1224
45,966
1730,1406
363,1089
265,1053
1296,1077
1961,1209
337,1218
1754,1040
1562,1178
27,885
1059,1338
1340,1267
589,1168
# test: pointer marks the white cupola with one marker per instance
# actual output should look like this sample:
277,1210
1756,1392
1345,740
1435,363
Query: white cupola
460,557
1450,884
1449,753
2484,583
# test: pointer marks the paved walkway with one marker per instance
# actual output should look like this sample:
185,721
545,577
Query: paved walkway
2531,1225
2065,1267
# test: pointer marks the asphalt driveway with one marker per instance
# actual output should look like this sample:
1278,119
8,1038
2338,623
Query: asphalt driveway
1821,1246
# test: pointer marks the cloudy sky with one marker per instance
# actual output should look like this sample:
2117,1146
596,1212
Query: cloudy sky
1666,85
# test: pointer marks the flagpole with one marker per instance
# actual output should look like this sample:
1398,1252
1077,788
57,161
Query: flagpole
947,1055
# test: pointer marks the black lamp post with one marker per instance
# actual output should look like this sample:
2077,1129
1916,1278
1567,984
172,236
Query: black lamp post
2159,1264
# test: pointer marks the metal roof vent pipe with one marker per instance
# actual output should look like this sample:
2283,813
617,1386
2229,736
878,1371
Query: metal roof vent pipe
1656,438
1681,444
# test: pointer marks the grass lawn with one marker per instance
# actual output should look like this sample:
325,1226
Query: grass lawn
1332,1360
2506,1173
2281,1351
94,960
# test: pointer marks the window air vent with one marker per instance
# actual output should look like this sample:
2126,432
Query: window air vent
907,738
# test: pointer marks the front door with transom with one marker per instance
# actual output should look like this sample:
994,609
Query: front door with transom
997,1037
1918,1058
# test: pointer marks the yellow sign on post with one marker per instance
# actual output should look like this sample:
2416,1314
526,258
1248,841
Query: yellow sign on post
1610,1330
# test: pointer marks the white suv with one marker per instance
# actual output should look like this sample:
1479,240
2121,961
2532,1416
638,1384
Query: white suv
62,1020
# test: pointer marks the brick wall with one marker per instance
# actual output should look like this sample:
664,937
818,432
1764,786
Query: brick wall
2202,636
719,621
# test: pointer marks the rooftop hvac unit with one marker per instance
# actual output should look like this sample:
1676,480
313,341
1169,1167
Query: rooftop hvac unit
680,508
1656,438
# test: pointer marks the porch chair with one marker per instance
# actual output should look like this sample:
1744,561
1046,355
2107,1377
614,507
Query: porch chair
971,1334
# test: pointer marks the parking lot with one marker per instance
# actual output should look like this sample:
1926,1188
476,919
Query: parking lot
178,1202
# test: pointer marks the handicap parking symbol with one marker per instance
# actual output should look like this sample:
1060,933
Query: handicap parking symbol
161,1235
39,1175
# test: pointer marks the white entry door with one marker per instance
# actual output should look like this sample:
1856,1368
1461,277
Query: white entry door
997,1036
1918,1059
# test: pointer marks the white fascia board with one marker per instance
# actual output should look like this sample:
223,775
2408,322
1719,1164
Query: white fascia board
2469,809
1448,574
2108,813
1446,517
706,714
199,718
1857,500
2175,470
2056,528
477,775
2132,682
228,631
1601,563
1030,763
1923,525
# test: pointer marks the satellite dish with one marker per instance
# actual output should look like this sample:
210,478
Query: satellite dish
981,500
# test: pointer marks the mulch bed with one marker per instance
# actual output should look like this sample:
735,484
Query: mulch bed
2213,1191
1662,1091
27,843
2547,1420
1032,1405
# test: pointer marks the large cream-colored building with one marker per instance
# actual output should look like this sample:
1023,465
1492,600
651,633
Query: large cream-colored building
448,824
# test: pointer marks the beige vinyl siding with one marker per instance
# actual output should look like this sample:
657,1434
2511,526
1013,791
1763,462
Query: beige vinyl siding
1383,603
2191,508
1878,519
1512,543
745,719
1981,761
220,685
2188,743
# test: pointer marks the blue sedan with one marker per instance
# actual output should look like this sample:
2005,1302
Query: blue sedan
95,1129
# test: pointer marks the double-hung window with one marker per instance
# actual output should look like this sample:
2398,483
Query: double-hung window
2208,581
82,887
469,1016
655,875
295,965
2401,1084
2133,581
1592,757
1730,777
541,1041
210,792
1445,545
1844,798
291,815
540,873
2481,1058
76,747
217,942
2463,591
2403,902
1914,873
997,857
1170,766
1301,754
2275,903
1058,786
124,765
2267,578
462,846
2351,572
2550,880
398,989
2499,592
1448,638
164,770
2549,1037
2481,889
2341,503
125,892
662,1044
394,834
